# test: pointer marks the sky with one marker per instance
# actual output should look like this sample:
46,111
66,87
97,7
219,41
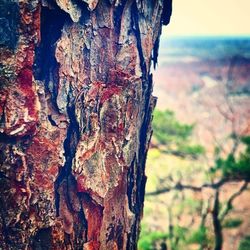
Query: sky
209,17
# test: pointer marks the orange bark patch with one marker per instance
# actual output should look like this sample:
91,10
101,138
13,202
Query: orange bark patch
44,154
25,83
94,216
92,245
109,92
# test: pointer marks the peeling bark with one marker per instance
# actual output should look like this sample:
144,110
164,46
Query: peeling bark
75,113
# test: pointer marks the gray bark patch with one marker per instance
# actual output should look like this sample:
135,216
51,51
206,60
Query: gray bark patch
9,19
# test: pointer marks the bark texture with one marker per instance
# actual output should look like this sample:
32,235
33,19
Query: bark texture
75,112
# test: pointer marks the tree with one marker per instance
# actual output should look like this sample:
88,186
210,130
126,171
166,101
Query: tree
75,112
234,166
174,136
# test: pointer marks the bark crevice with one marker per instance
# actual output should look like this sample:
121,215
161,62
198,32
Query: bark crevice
45,65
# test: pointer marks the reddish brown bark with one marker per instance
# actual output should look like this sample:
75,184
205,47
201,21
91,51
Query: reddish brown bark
75,110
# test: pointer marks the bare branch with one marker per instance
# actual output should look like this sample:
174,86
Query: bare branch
180,186
231,199
205,211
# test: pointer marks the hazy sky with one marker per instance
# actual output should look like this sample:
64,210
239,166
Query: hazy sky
209,17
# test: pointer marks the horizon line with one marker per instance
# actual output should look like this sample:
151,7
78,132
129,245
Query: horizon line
166,35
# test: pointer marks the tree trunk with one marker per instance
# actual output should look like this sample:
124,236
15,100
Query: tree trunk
216,222
75,112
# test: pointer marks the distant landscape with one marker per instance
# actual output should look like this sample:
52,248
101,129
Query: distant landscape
204,84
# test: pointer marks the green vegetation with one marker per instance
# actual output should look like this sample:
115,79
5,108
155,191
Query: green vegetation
188,203
233,167
178,176
198,236
180,233
245,243
232,223
175,136
148,239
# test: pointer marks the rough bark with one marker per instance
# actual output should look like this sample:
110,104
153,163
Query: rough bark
75,112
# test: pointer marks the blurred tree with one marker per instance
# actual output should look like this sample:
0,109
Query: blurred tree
172,137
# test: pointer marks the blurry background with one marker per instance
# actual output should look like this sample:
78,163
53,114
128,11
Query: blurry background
198,166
